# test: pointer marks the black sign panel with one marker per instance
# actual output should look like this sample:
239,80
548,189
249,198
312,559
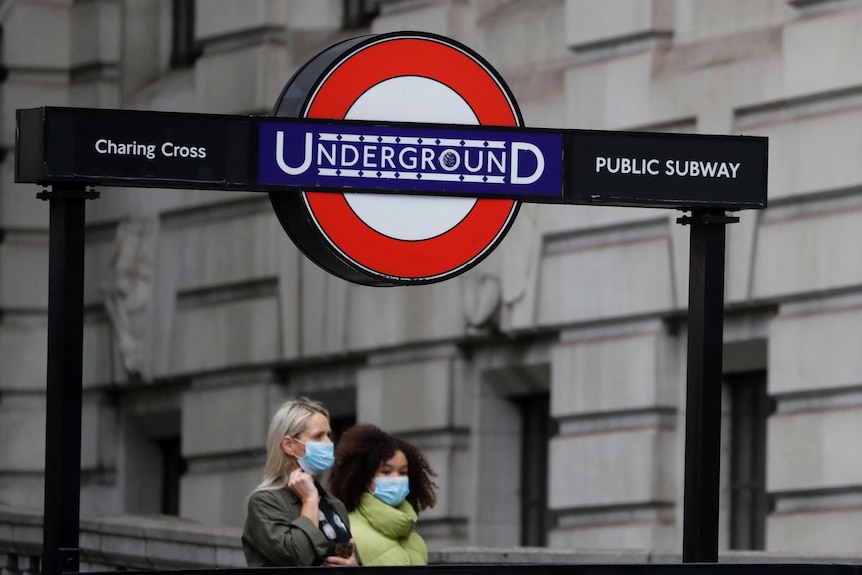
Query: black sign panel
672,170
141,149
266,154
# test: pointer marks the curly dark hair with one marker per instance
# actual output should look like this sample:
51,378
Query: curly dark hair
361,450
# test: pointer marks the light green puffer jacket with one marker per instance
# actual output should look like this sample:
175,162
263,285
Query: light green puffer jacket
384,534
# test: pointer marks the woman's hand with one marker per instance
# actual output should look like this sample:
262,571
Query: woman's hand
336,561
302,484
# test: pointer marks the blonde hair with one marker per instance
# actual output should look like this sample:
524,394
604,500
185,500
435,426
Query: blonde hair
290,419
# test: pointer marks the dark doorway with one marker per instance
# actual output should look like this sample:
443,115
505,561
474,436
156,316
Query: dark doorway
537,430
339,424
173,468
750,406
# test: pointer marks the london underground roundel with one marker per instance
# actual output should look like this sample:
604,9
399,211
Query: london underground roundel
393,239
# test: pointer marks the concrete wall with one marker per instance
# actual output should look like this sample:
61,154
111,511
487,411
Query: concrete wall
201,316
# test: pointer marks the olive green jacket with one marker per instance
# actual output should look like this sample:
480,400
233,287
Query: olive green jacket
276,535
384,534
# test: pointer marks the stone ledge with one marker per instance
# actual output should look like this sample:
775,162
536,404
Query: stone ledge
162,542
130,541
541,555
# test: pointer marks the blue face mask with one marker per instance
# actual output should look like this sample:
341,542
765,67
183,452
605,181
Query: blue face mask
319,456
391,490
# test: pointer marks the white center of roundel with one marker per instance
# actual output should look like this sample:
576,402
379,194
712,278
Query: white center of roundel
411,99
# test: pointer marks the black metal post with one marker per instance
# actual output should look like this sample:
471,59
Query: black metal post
65,352
703,388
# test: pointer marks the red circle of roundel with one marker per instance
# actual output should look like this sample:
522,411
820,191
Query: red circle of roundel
380,259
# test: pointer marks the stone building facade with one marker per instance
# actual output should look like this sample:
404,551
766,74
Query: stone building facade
546,385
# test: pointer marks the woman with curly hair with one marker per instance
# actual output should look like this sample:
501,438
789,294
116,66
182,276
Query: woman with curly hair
384,482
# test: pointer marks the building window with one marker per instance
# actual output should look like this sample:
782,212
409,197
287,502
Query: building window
360,13
4,70
173,468
184,47
750,407
537,430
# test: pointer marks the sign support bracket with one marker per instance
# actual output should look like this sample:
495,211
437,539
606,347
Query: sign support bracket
60,552
703,384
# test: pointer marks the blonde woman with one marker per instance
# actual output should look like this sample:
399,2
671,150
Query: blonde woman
292,520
